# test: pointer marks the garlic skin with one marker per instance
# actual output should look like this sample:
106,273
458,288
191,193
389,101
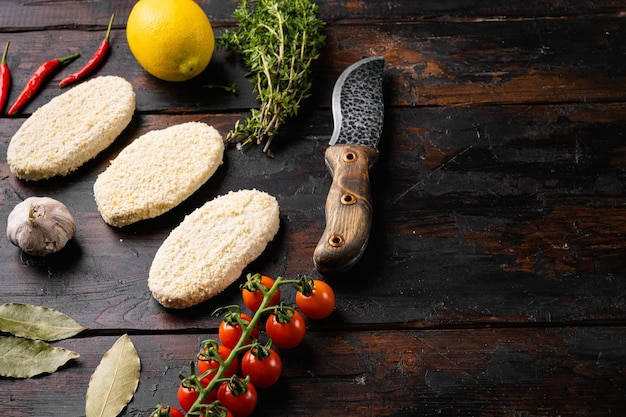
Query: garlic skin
40,226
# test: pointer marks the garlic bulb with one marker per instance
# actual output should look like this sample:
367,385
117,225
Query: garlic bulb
40,226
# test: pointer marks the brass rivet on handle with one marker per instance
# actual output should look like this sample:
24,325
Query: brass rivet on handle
349,156
336,241
348,199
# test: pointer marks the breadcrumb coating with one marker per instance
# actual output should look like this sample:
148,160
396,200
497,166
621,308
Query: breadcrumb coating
157,172
212,246
71,129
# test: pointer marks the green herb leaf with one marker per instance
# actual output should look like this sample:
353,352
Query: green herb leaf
278,41
114,381
25,358
35,322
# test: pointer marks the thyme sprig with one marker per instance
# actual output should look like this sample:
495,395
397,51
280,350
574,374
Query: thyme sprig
278,41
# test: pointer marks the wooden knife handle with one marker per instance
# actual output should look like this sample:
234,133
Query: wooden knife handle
348,208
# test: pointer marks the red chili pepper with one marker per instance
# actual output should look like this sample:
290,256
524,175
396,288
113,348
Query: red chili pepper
5,78
96,60
36,80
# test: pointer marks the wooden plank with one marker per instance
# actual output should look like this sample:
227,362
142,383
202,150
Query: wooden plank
482,215
17,15
461,63
428,64
491,372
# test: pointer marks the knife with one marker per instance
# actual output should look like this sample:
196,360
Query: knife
358,112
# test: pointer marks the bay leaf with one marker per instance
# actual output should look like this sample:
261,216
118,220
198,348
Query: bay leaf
24,358
37,322
114,381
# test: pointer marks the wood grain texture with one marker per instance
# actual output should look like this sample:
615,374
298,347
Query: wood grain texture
493,283
482,373
348,209
527,203
449,63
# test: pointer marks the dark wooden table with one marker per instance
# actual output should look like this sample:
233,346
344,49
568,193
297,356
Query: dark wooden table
494,282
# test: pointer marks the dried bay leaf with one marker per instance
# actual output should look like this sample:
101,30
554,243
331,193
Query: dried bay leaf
114,381
36,322
24,358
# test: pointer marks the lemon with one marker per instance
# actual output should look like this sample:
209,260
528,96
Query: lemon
171,39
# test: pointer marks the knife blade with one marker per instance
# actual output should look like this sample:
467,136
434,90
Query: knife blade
358,113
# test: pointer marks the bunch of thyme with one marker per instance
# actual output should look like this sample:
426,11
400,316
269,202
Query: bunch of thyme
278,41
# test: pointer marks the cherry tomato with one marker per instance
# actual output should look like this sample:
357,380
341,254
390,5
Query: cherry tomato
175,412
320,303
230,333
204,364
167,411
217,410
238,397
263,371
253,299
286,332
186,396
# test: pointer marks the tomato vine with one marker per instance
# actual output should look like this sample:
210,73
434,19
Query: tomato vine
217,389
